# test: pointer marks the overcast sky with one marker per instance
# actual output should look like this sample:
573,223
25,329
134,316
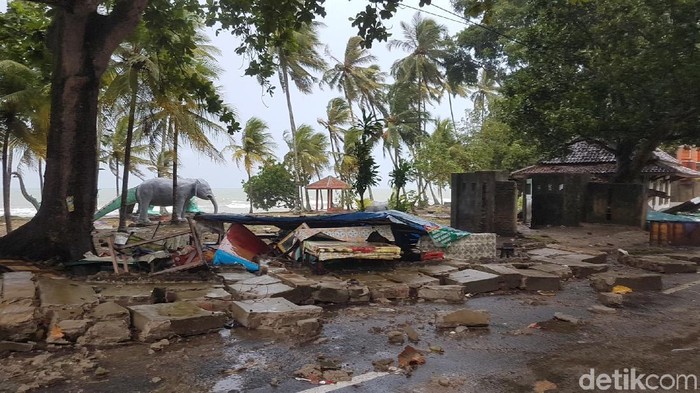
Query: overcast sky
248,98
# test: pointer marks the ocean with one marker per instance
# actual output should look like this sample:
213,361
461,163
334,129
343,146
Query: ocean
230,200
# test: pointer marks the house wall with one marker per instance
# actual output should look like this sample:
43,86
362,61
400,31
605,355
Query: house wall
483,201
616,203
685,189
558,199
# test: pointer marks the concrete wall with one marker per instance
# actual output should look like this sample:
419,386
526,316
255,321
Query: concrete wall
558,199
685,190
483,202
616,203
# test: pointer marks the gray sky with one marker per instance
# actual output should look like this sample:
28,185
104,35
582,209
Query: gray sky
248,98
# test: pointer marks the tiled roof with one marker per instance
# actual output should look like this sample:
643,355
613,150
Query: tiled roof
329,183
584,152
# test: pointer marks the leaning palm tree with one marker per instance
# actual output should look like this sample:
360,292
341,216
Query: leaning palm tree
356,76
312,153
337,116
256,147
297,58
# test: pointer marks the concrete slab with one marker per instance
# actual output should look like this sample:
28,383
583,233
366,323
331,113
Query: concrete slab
579,268
474,281
18,322
125,295
604,282
414,280
111,311
64,293
388,290
234,277
547,252
509,277
204,293
438,271
259,288
535,280
448,293
562,271
106,333
336,292
460,264
163,320
18,286
659,263
275,314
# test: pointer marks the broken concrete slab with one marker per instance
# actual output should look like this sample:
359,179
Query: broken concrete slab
567,318
18,322
579,267
438,271
414,280
604,282
12,346
106,333
259,288
460,264
18,286
388,290
204,293
234,277
125,295
274,314
547,252
332,292
658,263
611,299
509,277
535,280
562,271
56,293
448,293
462,317
474,281
111,311
72,328
163,320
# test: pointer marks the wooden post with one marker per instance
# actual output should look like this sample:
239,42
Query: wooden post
115,266
197,242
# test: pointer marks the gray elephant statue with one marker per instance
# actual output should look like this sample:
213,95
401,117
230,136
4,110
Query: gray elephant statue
159,192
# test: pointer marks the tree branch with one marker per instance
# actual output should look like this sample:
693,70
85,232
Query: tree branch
114,28
53,3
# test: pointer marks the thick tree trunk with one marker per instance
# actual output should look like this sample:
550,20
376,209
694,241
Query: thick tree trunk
83,41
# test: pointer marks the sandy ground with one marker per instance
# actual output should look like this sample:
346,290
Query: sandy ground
658,333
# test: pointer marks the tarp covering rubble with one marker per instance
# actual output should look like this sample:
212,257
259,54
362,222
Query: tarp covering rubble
346,235
442,235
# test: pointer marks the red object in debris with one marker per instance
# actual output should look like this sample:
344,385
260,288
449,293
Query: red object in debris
242,242
432,256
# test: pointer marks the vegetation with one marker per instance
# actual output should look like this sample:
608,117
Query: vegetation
367,169
272,187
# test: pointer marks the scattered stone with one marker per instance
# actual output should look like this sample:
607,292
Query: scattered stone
383,365
70,329
437,271
444,381
461,329
535,280
410,358
462,317
395,337
307,327
562,271
312,372
18,287
436,349
610,299
336,376
567,318
259,288
509,277
388,290
332,292
449,293
414,280
156,379
544,386
27,387
274,382
157,321
159,345
321,340
106,333
604,282
657,263
100,371
111,311
600,309
234,277
411,333
474,281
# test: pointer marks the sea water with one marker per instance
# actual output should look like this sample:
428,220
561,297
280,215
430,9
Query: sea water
230,200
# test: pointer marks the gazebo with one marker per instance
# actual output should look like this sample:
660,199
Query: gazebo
329,183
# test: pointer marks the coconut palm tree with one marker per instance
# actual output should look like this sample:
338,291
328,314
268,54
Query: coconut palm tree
256,147
338,115
359,80
21,94
312,152
484,92
297,58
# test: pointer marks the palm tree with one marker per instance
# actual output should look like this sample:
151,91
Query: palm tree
256,147
297,57
113,152
311,151
338,114
21,94
359,83
484,92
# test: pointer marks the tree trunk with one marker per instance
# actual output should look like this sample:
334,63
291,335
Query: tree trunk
432,193
24,191
41,176
133,82
250,187
284,79
116,176
6,178
174,217
82,42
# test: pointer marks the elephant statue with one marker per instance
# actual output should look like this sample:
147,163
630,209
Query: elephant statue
159,192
